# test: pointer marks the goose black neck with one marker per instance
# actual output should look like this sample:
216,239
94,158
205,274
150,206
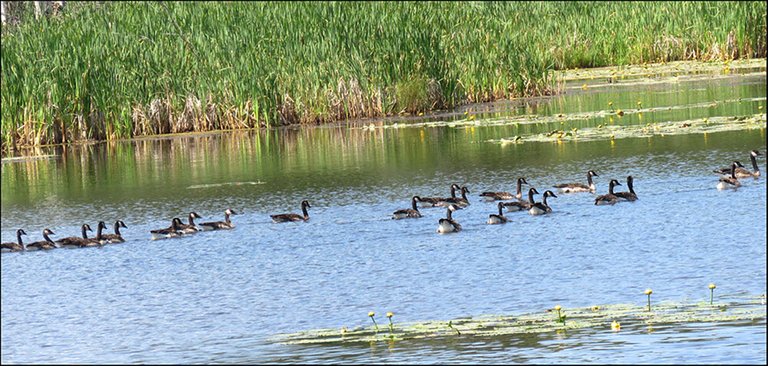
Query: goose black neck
306,213
226,217
453,192
501,212
754,163
629,185
610,187
589,179
85,234
530,196
18,237
45,236
413,205
117,227
98,232
448,216
733,170
519,187
191,220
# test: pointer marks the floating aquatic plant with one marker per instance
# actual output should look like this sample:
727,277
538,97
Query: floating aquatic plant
391,326
372,314
560,316
649,292
711,292
450,325
615,326
738,308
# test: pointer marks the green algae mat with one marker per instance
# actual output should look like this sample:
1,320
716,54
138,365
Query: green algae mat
610,318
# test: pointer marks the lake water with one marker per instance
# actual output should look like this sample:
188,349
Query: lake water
222,296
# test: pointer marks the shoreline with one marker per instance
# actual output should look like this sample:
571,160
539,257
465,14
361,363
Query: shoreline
571,80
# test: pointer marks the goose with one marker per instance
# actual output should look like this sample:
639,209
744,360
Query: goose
191,227
14,247
741,172
412,212
219,225
579,187
288,217
170,232
116,237
522,204
46,244
74,241
448,225
732,181
458,201
498,196
627,196
99,239
498,219
541,208
435,201
610,198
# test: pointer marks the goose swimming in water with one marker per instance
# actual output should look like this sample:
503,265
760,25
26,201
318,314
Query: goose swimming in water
521,205
732,181
219,225
610,198
288,217
14,247
579,187
435,201
627,196
116,237
448,225
458,201
46,244
541,208
170,232
74,241
412,212
741,172
498,219
498,196
191,227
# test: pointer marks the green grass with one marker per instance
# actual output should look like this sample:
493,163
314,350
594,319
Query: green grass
127,69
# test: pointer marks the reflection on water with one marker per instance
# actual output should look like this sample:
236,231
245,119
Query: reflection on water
220,296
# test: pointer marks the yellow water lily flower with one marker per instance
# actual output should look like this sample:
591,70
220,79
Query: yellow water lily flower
712,286
558,307
390,314
648,291
616,326
371,314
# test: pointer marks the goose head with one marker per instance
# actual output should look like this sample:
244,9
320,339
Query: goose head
47,232
613,184
549,193
120,223
176,224
230,211
755,153
194,215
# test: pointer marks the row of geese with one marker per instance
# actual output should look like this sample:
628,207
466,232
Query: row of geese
729,179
